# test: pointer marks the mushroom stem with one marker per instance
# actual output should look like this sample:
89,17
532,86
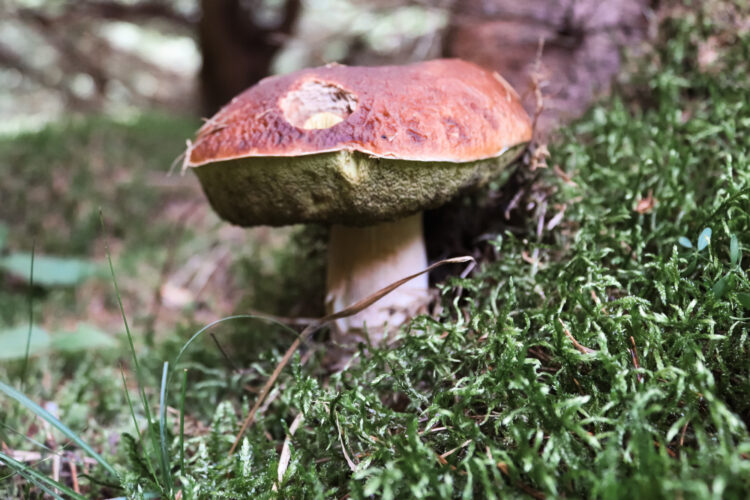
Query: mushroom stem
361,261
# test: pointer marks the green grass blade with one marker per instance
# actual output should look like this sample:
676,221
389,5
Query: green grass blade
229,318
27,438
29,479
162,428
137,366
182,421
41,412
31,319
139,377
46,483
137,427
165,373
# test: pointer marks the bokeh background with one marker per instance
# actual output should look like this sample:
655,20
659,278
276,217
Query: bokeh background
190,57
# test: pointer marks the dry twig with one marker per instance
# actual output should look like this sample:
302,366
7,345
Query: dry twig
634,354
583,349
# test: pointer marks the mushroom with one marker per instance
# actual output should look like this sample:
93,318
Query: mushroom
365,150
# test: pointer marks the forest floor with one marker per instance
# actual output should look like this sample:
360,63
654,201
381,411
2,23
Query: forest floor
599,348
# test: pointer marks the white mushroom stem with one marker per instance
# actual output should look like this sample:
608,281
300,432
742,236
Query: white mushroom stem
361,261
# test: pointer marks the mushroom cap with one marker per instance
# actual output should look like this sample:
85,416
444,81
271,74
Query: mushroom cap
393,140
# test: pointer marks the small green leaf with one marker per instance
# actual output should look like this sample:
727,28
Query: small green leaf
84,338
13,341
721,287
49,271
734,250
684,242
744,300
704,239
691,266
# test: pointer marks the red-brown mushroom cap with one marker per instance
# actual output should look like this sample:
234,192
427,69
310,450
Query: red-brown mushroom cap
445,110
357,145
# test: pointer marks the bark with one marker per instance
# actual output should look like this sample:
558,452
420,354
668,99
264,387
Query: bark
237,49
583,40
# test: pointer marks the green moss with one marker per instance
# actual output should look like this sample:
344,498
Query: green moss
339,187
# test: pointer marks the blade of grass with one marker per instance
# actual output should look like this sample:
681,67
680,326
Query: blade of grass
229,318
139,376
203,330
137,427
184,348
222,320
182,421
31,318
45,483
27,438
162,428
44,414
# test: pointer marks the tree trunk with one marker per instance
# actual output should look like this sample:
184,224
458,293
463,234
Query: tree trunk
583,40
237,48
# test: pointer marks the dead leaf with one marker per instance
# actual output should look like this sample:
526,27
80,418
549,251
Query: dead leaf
286,451
646,205
539,157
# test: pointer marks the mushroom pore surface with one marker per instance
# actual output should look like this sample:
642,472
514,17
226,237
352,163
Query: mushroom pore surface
341,187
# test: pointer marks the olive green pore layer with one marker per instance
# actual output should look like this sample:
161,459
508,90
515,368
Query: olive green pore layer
336,188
